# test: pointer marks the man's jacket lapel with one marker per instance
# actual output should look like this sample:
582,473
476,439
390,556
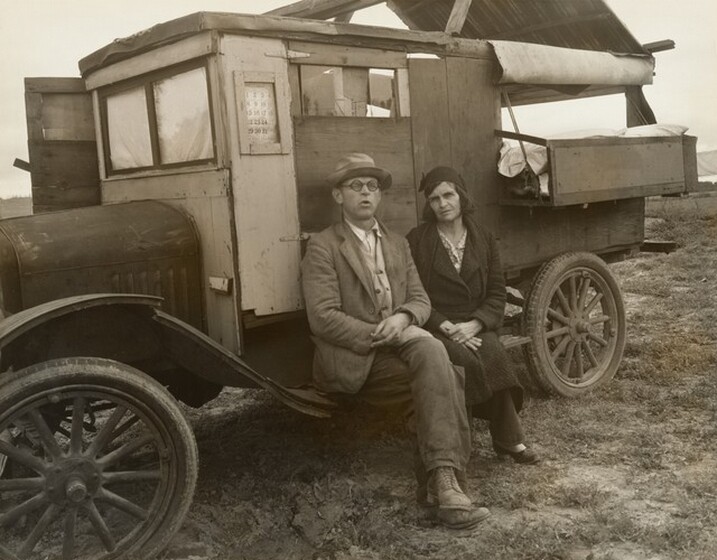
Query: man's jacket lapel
392,260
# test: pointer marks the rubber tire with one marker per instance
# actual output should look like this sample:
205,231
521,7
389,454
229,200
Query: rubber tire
155,402
536,353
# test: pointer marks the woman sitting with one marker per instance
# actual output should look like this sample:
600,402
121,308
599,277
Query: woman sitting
459,265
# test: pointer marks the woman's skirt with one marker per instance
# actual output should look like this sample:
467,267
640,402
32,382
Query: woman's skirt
487,370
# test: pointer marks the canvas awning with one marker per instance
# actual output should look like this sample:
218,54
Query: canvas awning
526,63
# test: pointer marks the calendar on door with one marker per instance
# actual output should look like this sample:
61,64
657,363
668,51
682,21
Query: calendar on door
260,102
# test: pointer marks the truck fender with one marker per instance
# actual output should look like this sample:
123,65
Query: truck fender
187,347
206,358
26,320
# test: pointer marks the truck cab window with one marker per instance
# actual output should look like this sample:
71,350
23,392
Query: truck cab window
128,130
163,121
335,91
183,123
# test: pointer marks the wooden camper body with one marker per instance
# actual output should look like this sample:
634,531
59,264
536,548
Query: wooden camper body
258,195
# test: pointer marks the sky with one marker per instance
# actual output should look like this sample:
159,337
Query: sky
47,38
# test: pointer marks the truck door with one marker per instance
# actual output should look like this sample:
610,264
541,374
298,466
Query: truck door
263,176
61,144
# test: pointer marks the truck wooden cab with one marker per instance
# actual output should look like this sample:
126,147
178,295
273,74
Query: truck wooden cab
214,133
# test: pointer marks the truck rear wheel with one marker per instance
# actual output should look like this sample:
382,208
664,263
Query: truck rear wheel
100,462
575,317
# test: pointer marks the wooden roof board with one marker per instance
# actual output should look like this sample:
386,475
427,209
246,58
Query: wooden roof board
285,28
322,9
577,24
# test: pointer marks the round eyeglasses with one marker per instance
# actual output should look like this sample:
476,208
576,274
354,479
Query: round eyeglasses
357,185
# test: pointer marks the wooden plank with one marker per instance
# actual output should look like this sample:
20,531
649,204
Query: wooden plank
458,16
655,246
60,197
704,187
322,141
67,116
33,116
429,117
218,112
522,32
344,18
198,184
284,29
638,110
343,55
588,170
98,134
160,58
474,105
61,143
530,236
613,141
524,137
404,14
63,162
689,151
55,85
321,9
401,92
21,164
295,91
618,193
659,46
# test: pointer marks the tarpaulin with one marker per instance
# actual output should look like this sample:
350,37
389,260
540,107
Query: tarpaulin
527,63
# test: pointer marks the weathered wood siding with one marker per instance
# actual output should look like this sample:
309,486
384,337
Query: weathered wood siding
61,144
455,110
599,169
530,236
322,141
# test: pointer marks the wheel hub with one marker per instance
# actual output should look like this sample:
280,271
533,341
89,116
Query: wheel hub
582,326
579,328
73,480
75,490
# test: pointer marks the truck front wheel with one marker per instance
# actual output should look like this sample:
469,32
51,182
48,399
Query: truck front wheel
99,462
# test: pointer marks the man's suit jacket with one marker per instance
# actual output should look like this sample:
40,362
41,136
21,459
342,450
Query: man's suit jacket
342,306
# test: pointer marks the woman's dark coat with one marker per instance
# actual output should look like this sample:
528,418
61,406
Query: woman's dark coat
478,292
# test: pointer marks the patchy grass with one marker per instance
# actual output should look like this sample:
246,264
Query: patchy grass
629,471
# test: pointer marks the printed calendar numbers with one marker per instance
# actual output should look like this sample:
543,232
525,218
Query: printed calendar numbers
261,113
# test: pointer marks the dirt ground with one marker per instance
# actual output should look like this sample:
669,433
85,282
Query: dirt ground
629,471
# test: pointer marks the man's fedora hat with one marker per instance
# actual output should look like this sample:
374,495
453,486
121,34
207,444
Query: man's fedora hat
358,165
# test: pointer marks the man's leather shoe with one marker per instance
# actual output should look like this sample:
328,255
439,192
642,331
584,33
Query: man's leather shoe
453,509
461,518
445,491
525,457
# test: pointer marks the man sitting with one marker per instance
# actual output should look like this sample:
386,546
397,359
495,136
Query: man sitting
365,304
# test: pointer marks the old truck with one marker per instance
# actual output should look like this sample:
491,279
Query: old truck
176,182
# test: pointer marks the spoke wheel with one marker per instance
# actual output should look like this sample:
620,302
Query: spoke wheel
575,317
99,462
